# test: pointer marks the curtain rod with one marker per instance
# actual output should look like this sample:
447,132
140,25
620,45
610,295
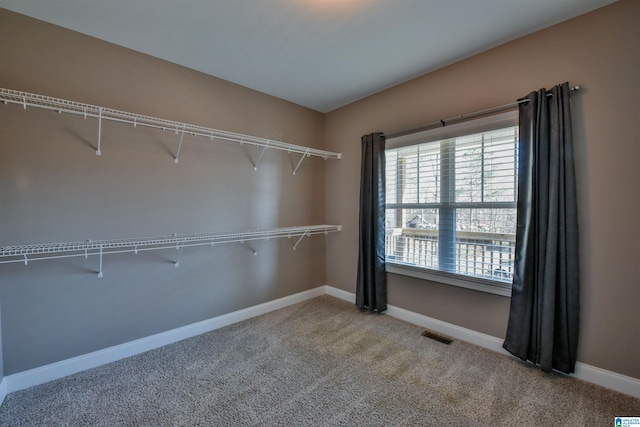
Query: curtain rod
444,122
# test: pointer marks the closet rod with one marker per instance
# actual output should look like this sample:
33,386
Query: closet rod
444,122
102,113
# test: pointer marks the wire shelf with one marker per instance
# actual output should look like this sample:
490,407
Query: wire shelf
43,251
26,99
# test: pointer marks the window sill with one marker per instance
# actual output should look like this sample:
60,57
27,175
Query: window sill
482,285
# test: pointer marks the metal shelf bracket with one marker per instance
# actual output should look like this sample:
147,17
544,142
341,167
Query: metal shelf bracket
100,270
98,152
305,234
176,159
306,154
257,163
177,263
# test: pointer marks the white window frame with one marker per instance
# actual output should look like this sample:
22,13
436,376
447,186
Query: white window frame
495,121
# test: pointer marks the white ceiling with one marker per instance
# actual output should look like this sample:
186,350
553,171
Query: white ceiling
321,54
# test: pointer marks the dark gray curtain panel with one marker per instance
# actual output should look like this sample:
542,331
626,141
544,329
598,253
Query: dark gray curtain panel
371,290
544,315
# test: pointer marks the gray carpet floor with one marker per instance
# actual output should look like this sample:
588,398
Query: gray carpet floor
318,363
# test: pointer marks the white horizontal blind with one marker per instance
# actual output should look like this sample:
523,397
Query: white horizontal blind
451,204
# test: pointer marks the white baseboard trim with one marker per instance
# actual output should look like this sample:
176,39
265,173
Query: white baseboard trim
3,390
42,374
340,294
609,379
602,377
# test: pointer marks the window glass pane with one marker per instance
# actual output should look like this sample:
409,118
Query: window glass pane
429,168
408,174
391,164
486,250
485,242
416,241
469,169
485,220
486,167
413,174
500,166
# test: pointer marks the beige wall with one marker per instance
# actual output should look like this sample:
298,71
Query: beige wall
598,51
54,188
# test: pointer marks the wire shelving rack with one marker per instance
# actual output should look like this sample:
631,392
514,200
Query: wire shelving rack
26,99
44,251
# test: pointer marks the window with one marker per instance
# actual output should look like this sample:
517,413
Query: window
451,203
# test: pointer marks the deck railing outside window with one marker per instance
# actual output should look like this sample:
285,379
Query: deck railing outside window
483,255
